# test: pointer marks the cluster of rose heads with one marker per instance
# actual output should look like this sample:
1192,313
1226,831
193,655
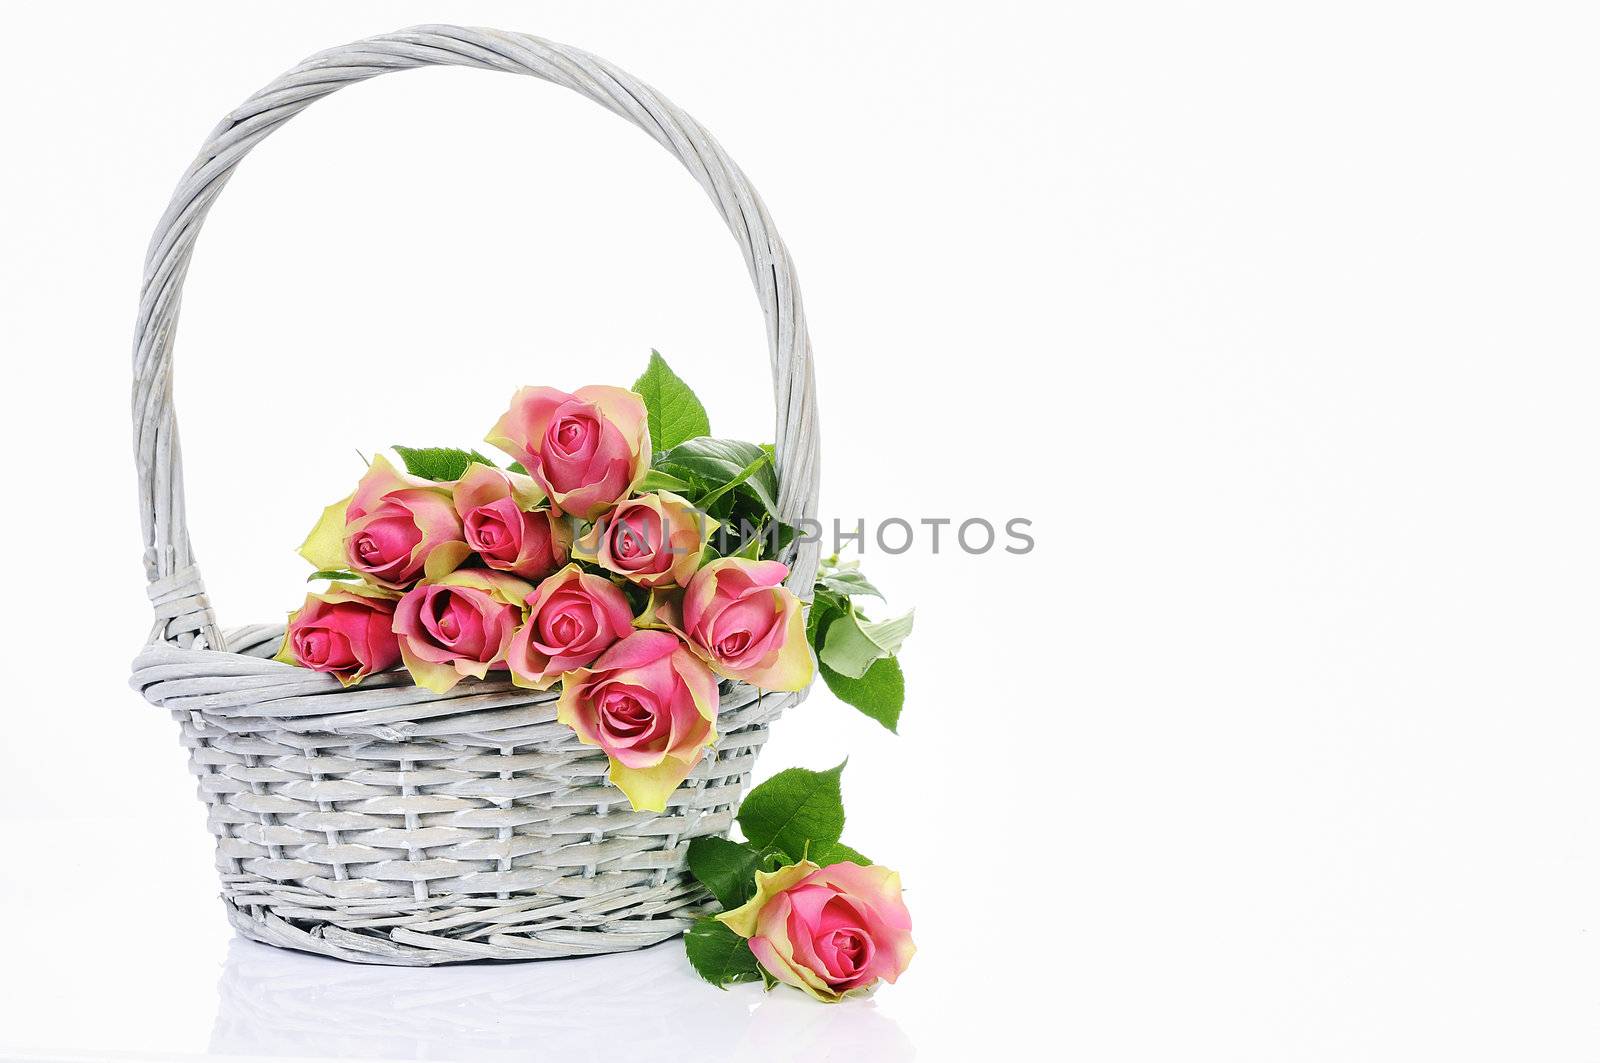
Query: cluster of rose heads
826,930
561,574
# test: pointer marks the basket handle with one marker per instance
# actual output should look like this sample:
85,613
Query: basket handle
183,613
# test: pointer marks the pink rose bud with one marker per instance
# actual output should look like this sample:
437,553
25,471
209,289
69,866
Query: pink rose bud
503,522
393,530
573,617
653,540
586,449
738,615
829,930
651,704
344,631
458,625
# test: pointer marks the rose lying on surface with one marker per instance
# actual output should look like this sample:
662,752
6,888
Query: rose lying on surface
393,530
827,930
738,615
503,522
345,631
653,540
459,625
651,705
573,617
586,449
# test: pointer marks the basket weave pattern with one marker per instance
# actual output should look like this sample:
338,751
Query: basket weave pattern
384,823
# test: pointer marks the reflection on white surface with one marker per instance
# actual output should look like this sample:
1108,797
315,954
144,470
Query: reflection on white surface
273,1002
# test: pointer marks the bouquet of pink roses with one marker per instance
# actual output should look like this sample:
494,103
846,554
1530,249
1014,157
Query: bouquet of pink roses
635,561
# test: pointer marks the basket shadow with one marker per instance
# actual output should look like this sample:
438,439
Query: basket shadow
279,1003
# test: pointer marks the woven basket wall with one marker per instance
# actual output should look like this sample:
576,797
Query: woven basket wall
384,823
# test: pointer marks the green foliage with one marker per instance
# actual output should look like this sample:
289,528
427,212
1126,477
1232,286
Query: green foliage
853,643
708,464
846,580
768,540
656,480
332,573
726,868
794,810
675,413
871,679
439,463
709,499
880,693
838,853
720,956
826,607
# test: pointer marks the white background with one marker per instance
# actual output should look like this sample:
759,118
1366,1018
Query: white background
1278,322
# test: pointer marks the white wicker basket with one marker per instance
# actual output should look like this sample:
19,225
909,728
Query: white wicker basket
384,823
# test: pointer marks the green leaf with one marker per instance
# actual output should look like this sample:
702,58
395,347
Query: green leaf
517,467
879,694
439,463
748,471
726,868
847,581
838,853
767,539
718,955
710,463
793,809
826,607
853,643
332,573
657,480
675,413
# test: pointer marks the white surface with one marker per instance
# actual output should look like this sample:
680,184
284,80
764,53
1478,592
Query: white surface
1278,323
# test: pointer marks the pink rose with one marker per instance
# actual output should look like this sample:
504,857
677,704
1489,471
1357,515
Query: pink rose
458,625
651,704
654,540
572,618
827,930
586,449
345,631
393,530
502,523
738,615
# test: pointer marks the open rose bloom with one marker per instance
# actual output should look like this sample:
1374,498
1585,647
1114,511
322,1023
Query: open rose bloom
651,704
654,540
830,930
573,617
738,615
587,449
392,531
506,522
345,631
459,625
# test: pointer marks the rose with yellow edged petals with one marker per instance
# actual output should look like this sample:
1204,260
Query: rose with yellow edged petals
505,521
345,631
586,449
651,705
829,931
573,617
654,540
739,616
393,530
458,625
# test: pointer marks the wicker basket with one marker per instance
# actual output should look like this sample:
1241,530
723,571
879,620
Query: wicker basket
384,823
